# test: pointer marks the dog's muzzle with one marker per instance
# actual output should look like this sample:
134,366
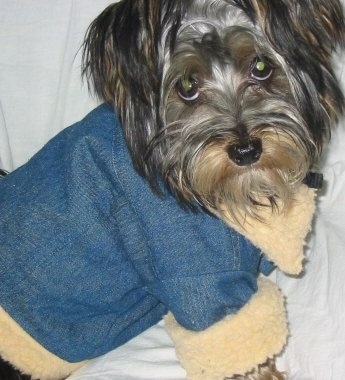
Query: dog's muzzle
247,153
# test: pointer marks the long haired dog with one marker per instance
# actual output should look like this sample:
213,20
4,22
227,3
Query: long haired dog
227,102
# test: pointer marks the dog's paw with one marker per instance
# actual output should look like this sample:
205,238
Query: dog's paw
266,371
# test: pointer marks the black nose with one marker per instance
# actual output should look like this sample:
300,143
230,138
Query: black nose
244,154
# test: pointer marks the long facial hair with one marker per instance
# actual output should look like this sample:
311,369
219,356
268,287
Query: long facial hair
218,101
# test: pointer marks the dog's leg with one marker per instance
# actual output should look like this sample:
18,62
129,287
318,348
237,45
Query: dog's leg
266,371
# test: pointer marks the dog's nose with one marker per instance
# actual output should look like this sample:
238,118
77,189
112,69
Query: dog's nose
244,154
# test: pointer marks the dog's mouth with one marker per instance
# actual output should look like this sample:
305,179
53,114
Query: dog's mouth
266,169
249,152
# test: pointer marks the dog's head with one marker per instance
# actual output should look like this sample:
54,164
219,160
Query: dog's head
227,102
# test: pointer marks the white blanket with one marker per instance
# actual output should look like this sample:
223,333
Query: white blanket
41,93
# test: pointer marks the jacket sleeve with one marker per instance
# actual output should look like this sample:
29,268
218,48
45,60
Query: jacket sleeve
204,270
238,343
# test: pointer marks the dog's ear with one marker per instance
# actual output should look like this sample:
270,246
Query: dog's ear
293,25
123,59
304,32
120,51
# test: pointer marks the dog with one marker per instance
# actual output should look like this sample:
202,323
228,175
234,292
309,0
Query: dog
226,103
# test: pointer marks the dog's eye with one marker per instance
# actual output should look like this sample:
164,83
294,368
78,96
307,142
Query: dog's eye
188,88
261,69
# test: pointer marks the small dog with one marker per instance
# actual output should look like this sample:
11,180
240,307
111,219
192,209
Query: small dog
225,102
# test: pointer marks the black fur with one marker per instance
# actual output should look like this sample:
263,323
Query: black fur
7,372
123,61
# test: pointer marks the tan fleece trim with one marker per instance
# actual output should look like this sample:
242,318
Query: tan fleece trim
22,351
281,236
238,343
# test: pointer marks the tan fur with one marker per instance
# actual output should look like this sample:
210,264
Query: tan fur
243,190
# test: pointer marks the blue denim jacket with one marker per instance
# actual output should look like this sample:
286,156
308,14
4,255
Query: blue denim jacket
91,257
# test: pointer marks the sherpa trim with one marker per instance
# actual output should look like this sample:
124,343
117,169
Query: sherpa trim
238,343
27,355
281,236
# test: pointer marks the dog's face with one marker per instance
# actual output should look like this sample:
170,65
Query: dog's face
227,102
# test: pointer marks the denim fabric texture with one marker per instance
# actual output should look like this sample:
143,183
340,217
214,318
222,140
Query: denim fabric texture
90,256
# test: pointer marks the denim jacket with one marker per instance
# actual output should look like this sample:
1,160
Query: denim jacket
90,256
